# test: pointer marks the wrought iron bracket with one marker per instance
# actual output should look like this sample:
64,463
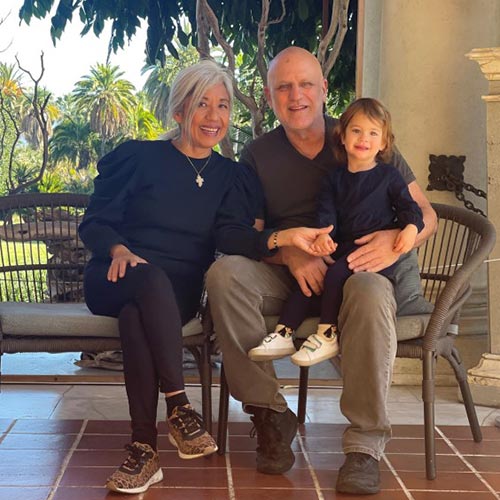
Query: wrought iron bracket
441,167
446,173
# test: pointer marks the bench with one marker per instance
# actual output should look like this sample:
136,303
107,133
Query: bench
42,306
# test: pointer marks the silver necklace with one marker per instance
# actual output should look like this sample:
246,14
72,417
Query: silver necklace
199,179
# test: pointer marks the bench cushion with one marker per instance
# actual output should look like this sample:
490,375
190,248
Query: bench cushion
64,320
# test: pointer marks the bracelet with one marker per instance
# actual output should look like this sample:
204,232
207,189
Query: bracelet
275,240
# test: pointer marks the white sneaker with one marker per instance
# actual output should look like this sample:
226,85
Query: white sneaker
274,346
317,347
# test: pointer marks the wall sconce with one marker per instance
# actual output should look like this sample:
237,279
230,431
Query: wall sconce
446,173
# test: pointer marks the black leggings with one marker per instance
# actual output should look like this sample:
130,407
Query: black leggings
151,336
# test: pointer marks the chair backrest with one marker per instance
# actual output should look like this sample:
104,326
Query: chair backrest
450,257
41,255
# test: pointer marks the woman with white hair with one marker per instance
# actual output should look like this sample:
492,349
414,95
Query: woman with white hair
152,223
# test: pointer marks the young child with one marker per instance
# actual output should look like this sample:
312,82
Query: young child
363,195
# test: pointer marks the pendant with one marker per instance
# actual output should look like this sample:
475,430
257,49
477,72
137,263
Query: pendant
199,180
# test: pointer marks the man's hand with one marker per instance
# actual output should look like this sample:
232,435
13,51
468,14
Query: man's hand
122,257
376,251
309,271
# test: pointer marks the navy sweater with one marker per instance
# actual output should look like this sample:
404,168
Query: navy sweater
145,197
363,202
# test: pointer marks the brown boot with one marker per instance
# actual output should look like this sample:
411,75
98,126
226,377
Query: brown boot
275,433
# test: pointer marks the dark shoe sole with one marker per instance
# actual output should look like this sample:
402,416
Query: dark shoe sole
273,470
155,478
356,490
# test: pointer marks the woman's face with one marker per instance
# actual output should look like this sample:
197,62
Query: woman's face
210,121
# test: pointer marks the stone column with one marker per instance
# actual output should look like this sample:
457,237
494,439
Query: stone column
484,378
411,56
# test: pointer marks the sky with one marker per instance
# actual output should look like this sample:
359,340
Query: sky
73,55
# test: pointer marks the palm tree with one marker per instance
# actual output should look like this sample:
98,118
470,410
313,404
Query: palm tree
107,99
145,124
157,86
74,141
29,123
10,81
157,92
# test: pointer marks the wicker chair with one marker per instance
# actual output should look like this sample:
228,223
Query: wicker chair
447,262
41,287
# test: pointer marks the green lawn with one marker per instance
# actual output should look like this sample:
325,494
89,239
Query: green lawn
22,285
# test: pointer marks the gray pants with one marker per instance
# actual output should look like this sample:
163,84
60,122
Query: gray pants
241,291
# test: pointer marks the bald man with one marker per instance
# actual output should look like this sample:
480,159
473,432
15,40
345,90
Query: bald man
290,161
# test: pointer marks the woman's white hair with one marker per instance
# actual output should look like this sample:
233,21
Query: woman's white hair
188,89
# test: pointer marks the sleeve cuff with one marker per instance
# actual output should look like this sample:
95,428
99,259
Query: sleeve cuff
261,243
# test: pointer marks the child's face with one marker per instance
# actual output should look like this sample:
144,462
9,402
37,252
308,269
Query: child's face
363,139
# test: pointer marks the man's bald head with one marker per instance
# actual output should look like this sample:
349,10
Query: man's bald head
293,54
296,90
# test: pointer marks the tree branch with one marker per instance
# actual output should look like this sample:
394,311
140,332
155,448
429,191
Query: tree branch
338,29
17,135
202,26
339,39
42,120
261,35
212,22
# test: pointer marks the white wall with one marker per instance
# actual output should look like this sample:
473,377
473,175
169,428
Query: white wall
413,59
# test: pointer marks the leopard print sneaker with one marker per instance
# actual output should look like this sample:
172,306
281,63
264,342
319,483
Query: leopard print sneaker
140,470
187,434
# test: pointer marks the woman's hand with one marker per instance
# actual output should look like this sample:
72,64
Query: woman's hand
122,257
302,238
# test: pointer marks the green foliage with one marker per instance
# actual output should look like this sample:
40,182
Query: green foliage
106,100
6,140
145,125
10,81
160,78
125,16
51,183
237,19
25,163
73,141
79,181
297,22
104,109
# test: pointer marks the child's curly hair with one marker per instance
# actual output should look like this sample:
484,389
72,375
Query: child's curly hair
374,110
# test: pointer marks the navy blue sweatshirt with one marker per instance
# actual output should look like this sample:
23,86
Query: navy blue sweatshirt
359,203
146,198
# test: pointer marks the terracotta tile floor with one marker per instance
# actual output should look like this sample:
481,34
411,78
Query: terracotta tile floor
69,459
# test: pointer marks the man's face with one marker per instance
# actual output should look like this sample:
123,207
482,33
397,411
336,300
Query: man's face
296,91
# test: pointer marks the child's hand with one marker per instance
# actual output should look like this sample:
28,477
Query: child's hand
405,240
324,245
301,237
